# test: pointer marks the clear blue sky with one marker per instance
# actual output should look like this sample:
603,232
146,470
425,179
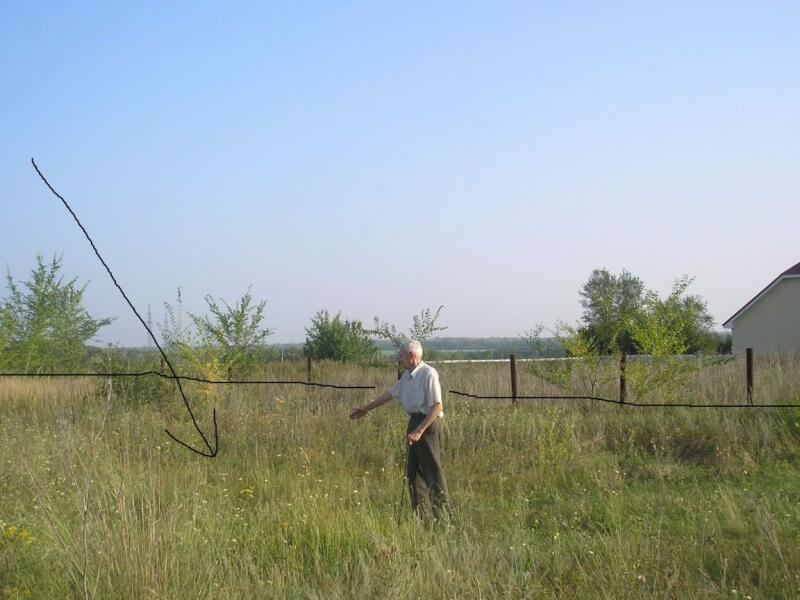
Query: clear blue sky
377,159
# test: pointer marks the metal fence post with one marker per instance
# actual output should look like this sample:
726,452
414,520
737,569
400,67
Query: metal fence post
623,389
749,367
513,379
308,367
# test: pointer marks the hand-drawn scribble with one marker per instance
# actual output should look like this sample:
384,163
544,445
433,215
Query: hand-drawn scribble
197,379
212,451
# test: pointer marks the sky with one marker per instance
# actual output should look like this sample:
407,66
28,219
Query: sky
380,158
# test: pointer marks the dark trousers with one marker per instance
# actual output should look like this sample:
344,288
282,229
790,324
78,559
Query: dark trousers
424,469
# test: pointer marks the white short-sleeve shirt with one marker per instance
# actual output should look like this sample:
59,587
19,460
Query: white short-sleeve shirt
418,390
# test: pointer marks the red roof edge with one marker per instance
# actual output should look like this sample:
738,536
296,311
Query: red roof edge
794,270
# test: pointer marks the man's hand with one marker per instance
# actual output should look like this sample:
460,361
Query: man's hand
413,437
358,412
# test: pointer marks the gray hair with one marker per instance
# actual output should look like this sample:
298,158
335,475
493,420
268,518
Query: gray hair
412,347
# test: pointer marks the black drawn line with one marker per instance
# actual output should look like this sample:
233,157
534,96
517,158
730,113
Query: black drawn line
197,379
624,402
212,452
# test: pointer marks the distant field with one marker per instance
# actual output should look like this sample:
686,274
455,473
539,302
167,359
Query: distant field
551,499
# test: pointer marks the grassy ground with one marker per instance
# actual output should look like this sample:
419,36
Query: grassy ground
550,500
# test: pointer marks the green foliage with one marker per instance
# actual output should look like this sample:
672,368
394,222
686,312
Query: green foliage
611,306
666,329
45,325
179,337
236,332
188,355
145,390
334,338
231,338
721,343
580,371
16,556
8,326
674,325
621,317
422,328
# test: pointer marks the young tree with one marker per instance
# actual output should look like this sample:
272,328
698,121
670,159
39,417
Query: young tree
618,311
580,371
186,351
666,329
45,325
620,316
177,336
236,331
422,328
8,327
611,307
337,339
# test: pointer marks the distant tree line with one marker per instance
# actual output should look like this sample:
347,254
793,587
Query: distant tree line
44,326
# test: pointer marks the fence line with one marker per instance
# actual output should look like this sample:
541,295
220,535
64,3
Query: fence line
514,397
196,379
623,403
623,393
645,357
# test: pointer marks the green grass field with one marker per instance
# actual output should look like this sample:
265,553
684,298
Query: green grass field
550,499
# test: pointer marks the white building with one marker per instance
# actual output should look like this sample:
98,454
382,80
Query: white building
770,322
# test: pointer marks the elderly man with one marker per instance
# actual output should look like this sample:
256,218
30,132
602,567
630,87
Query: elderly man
420,395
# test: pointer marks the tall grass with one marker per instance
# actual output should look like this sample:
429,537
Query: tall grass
550,498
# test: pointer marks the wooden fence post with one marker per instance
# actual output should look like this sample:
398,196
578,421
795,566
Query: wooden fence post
308,367
623,389
749,367
513,379
230,373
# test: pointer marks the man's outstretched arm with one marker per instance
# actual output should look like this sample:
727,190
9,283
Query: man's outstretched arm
360,411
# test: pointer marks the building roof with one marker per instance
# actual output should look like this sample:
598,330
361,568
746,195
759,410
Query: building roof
793,271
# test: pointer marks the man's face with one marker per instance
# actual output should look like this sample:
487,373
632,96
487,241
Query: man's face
406,360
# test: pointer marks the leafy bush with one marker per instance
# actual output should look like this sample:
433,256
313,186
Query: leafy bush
45,325
334,338
621,318
236,332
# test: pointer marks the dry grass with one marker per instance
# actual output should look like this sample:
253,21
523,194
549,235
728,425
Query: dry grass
551,499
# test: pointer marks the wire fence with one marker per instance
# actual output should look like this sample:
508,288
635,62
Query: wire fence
622,383
514,397
198,379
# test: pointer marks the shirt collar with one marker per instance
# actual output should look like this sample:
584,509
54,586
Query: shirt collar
414,372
